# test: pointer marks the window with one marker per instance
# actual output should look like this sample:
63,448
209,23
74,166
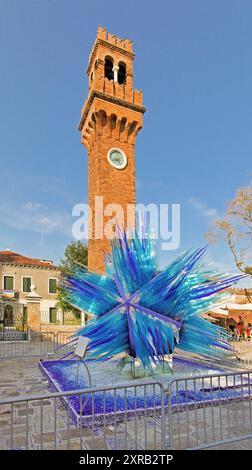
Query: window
8,282
122,74
52,286
108,69
53,315
26,284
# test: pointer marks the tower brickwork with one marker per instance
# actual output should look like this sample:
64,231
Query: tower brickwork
110,121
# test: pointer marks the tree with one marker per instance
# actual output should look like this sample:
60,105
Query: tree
236,229
76,253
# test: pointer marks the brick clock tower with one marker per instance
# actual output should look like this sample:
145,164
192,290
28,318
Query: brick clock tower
111,118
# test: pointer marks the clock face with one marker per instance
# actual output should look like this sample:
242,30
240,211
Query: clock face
117,158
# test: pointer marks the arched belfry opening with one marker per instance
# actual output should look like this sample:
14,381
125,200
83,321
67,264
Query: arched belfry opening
122,74
108,68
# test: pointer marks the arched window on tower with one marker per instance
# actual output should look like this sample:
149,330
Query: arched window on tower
108,68
122,74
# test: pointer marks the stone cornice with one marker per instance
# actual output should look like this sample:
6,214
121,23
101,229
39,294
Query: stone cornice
110,46
111,99
31,266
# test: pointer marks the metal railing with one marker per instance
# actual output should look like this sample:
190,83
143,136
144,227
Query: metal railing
122,417
34,344
244,361
62,318
193,413
209,410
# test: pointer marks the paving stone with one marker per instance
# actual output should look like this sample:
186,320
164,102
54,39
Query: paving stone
41,402
3,422
247,444
233,446
19,429
47,437
19,442
72,445
4,409
25,412
119,443
73,433
97,444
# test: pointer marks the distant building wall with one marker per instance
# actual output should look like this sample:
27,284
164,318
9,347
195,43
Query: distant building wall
39,277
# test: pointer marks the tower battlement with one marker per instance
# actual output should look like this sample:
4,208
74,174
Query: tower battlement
125,43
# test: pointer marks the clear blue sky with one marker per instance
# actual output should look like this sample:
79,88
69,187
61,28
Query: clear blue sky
193,62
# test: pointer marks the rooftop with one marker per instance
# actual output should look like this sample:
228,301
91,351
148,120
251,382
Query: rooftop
10,257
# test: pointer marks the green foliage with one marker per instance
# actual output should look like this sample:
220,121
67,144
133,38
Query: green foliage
76,253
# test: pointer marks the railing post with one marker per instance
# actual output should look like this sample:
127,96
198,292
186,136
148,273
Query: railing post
169,391
162,417
56,342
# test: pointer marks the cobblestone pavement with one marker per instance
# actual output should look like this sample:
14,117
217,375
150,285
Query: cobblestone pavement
22,376
212,424
244,352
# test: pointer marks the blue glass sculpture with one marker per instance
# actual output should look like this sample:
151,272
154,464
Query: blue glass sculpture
144,312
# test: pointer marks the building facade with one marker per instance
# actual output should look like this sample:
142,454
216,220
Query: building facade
19,275
110,121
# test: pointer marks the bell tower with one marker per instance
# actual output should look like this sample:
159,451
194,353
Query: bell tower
110,121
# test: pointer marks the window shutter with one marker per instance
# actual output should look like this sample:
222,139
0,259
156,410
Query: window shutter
8,282
52,286
26,284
